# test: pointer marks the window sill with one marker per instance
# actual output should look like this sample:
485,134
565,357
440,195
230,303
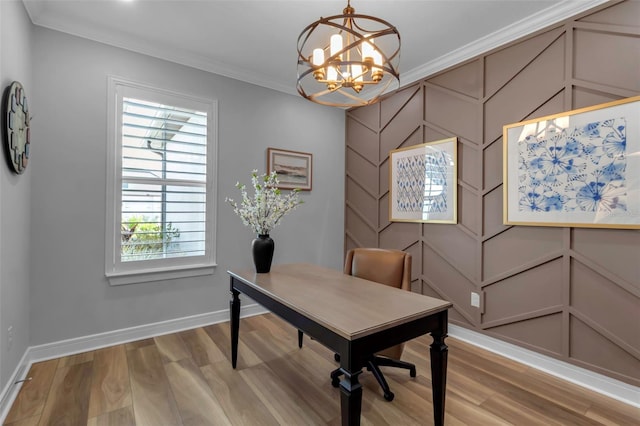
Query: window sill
147,275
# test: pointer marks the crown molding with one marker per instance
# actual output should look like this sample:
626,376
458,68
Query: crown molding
124,41
512,32
531,24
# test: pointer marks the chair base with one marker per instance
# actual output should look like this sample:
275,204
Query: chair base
373,365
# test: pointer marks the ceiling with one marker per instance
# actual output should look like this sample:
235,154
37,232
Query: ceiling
255,41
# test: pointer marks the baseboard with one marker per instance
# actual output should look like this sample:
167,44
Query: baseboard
116,337
612,388
10,391
599,383
101,340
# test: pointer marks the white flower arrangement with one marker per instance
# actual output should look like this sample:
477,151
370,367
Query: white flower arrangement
268,206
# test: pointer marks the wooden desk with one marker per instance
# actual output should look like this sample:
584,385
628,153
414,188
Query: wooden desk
352,317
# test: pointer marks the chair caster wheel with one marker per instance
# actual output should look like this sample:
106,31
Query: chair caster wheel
389,396
335,382
412,372
336,357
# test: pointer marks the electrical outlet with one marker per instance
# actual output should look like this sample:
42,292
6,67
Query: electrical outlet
9,337
475,299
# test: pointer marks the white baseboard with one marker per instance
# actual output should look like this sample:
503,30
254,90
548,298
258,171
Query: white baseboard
612,388
10,391
101,340
116,337
602,384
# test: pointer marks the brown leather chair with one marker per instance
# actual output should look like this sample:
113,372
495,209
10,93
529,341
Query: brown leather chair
392,268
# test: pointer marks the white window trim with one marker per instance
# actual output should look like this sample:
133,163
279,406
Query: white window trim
120,273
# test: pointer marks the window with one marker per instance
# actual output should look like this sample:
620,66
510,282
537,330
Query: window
161,200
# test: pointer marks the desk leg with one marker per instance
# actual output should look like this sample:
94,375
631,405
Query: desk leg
350,398
234,304
439,352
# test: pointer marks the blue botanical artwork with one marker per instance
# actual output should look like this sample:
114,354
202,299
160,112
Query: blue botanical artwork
422,183
574,169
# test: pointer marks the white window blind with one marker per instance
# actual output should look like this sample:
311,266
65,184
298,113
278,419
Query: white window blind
164,176
163,183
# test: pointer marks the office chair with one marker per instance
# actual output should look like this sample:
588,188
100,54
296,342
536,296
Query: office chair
392,268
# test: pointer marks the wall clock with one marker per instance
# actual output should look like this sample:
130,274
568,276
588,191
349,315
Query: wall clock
16,123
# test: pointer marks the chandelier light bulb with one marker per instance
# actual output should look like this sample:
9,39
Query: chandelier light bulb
318,61
367,51
376,71
318,57
336,44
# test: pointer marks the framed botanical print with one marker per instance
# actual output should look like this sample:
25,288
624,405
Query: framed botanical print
423,183
579,168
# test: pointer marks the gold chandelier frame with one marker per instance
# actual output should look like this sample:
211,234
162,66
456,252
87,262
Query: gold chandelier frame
349,75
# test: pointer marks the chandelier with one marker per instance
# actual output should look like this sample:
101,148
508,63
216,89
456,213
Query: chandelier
348,60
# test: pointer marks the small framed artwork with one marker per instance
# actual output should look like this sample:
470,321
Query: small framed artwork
294,169
579,168
423,182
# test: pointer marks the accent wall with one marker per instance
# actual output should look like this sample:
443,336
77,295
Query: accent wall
569,293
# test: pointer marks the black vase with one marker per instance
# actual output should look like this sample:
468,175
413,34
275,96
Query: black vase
262,249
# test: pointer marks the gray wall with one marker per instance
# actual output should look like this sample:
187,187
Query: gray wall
15,229
570,293
70,296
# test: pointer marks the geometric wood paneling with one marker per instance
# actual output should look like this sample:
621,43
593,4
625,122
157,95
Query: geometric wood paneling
469,164
503,299
361,200
454,245
541,333
398,236
359,230
444,108
605,304
584,97
447,281
454,315
527,89
551,106
624,14
405,123
519,246
433,133
595,51
502,65
363,171
383,211
464,79
592,349
571,293
492,165
394,105
467,204
493,213
615,250
364,140
364,116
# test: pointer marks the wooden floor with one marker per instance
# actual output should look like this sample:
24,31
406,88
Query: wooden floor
186,379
